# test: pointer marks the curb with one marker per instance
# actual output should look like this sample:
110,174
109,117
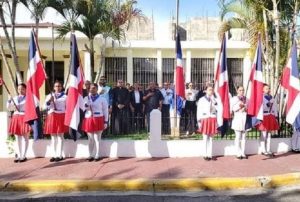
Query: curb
189,184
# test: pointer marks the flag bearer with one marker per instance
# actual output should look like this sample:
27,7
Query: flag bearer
55,103
95,120
17,125
239,105
207,118
269,122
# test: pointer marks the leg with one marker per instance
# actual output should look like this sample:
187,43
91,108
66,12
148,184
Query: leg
91,145
209,149
25,142
294,140
264,141
18,146
268,143
243,144
97,138
205,139
237,142
60,145
53,145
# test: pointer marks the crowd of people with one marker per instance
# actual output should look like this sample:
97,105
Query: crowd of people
125,107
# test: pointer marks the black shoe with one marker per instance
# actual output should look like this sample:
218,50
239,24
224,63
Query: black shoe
16,160
265,154
239,157
52,159
205,158
23,160
209,158
295,150
270,155
98,159
57,159
244,157
90,159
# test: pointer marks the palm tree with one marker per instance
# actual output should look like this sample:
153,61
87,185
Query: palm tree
37,9
9,8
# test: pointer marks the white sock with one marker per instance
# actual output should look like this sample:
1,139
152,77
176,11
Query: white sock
91,143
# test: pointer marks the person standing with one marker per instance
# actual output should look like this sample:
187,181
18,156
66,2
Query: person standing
137,107
296,141
167,94
17,126
120,109
95,121
207,110
153,100
191,108
239,106
269,123
104,90
55,103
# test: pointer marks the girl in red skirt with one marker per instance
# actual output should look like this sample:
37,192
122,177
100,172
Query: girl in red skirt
17,125
207,119
95,120
269,122
55,103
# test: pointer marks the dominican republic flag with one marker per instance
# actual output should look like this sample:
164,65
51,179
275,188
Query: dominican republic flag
74,102
255,108
36,77
179,77
222,89
291,82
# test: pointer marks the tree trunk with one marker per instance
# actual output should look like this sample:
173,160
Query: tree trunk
8,68
267,52
277,44
92,56
102,60
11,41
37,21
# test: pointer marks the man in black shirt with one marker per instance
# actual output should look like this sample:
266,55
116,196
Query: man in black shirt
120,108
153,100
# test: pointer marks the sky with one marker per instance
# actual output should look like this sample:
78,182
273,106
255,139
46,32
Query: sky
162,11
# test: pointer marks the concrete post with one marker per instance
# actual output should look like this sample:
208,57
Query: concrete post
155,125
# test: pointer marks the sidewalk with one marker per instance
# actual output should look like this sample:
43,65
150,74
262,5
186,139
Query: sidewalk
150,173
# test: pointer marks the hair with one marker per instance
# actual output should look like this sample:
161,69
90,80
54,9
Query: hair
266,85
94,84
102,77
23,85
239,86
209,85
59,82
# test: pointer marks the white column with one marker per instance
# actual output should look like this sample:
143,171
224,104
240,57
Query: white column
155,125
129,67
159,68
216,62
87,66
4,144
188,67
246,69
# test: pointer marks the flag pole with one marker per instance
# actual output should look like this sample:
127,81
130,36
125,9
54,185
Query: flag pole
175,39
8,92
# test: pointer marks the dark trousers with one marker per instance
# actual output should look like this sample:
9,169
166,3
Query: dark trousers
120,121
165,113
138,118
191,116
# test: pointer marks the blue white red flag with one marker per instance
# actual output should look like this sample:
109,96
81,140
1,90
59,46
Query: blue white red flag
36,77
222,89
291,82
255,108
74,102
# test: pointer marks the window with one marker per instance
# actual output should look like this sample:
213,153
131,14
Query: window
144,71
59,67
235,73
168,66
115,68
202,70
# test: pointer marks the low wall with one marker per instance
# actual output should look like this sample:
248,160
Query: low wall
154,147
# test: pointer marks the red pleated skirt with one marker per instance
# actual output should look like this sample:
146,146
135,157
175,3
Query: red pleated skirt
17,125
268,124
54,124
93,124
208,126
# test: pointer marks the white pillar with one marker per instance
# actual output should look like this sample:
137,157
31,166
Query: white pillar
87,66
129,67
4,144
188,67
246,69
155,125
159,68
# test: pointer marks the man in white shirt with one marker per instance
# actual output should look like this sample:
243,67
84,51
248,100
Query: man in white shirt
168,96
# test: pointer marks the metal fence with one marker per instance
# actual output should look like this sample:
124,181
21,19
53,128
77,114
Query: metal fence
144,71
202,70
115,68
137,129
168,65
